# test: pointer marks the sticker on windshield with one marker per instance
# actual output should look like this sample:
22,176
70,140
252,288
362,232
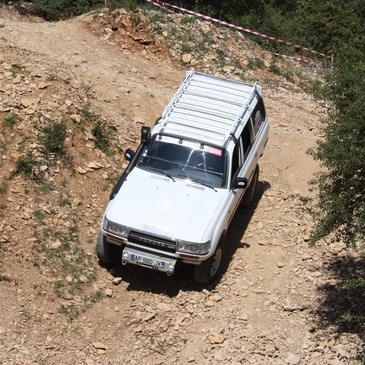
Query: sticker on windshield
214,151
191,144
168,139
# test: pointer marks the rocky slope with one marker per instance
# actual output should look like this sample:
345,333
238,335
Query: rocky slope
101,77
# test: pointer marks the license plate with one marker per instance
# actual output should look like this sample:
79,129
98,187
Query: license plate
147,261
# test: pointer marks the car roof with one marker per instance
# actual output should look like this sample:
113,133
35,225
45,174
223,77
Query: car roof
209,108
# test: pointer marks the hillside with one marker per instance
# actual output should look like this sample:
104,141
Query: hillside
102,76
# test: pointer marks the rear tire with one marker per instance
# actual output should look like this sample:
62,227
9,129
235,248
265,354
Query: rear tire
210,270
106,252
249,195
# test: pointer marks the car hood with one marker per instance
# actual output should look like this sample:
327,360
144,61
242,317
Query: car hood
158,205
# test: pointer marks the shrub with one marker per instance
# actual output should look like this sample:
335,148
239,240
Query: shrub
26,165
10,120
102,136
52,138
62,9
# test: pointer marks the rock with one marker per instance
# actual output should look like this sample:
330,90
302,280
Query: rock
293,359
77,202
217,338
26,103
67,296
76,117
81,170
94,165
117,281
109,292
43,85
164,307
215,298
55,245
148,317
294,307
99,345
83,279
187,57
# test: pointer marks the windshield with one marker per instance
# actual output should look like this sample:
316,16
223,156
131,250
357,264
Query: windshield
185,159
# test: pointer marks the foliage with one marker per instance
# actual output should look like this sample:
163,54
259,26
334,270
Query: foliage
102,135
62,9
341,184
26,165
126,4
3,186
10,120
322,26
52,138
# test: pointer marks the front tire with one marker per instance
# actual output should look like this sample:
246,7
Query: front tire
210,270
106,252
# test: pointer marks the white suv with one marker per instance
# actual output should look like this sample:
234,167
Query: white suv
177,197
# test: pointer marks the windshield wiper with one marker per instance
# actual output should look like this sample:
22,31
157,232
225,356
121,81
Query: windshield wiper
158,170
165,173
201,182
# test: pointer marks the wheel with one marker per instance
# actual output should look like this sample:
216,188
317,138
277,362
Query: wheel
106,252
210,270
249,194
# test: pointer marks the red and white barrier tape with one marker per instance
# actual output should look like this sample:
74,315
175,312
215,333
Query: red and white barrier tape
166,6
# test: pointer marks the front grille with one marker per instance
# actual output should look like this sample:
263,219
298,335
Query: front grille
152,242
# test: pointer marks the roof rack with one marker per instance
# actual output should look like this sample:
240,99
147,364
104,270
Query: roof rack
209,108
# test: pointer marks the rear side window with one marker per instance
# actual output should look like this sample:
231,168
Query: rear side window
258,116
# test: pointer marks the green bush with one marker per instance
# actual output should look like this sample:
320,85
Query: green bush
126,4
63,9
341,184
10,120
26,165
3,186
52,138
102,136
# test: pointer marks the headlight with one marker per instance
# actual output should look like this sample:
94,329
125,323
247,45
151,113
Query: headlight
115,228
194,248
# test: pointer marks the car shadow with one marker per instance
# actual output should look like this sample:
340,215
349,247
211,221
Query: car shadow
147,280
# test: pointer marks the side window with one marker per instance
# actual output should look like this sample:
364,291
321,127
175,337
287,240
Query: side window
258,116
236,159
246,139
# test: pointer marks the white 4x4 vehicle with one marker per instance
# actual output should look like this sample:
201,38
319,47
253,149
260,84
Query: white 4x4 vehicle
177,197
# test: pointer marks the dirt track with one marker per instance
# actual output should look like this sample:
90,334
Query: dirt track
263,311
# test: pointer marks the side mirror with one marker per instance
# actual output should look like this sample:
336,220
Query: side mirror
145,131
129,154
240,183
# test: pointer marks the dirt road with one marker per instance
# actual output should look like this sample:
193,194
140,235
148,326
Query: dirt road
265,308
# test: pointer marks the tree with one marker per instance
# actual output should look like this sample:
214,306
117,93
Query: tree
63,9
341,184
